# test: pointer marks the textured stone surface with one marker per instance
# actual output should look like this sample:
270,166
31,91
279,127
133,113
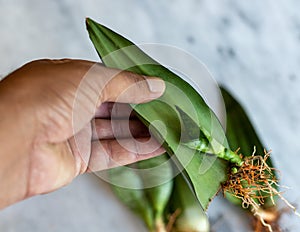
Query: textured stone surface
252,47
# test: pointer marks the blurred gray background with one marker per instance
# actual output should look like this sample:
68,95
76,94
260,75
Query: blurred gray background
252,47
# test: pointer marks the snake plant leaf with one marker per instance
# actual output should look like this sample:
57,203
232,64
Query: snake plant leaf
157,172
134,197
118,52
191,216
191,135
241,133
150,189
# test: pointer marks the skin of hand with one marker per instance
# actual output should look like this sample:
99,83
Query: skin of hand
56,123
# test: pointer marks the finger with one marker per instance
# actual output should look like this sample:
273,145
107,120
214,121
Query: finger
107,129
114,110
127,87
110,153
100,84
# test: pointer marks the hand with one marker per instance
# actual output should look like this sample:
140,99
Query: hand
55,124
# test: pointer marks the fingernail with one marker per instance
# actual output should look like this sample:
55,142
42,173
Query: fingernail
155,85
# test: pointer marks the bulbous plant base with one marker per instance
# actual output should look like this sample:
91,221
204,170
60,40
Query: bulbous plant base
159,226
268,219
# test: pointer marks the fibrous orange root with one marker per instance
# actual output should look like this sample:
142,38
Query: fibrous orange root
254,183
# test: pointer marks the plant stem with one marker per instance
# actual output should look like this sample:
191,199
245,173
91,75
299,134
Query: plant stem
204,145
197,138
159,225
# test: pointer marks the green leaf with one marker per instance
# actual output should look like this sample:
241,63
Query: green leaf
157,172
241,133
133,197
150,189
205,172
191,215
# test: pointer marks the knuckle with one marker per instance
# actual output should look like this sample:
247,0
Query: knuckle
137,80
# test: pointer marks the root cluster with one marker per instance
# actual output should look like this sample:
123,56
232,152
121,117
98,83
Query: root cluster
255,183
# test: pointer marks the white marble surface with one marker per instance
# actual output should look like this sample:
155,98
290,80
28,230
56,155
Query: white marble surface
252,47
